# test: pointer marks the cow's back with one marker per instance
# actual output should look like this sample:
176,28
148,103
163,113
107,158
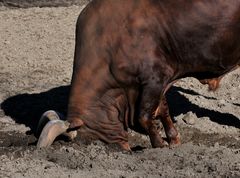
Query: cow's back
130,35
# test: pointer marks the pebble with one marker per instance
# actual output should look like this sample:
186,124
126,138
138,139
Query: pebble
232,98
216,144
189,118
222,101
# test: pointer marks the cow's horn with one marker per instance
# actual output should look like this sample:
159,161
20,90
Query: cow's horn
46,117
51,130
50,116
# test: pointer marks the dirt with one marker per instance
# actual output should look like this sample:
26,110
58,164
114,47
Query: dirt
41,3
36,55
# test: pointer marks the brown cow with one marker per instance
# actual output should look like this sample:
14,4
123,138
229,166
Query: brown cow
128,54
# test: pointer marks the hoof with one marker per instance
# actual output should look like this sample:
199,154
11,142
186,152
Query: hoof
157,141
160,144
175,142
125,146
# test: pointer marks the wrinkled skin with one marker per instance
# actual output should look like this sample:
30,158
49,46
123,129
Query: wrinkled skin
129,52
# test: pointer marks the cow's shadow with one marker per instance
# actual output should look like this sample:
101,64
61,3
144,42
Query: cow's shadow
178,104
27,108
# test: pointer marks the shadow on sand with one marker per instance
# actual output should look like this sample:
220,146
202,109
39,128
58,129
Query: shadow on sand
179,104
27,108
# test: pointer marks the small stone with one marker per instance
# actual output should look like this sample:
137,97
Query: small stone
47,166
6,42
189,118
222,101
232,98
225,126
216,144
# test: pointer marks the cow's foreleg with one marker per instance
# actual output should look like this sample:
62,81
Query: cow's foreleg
170,130
149,103
152,130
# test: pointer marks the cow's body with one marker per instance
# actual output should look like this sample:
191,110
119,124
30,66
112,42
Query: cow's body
129,52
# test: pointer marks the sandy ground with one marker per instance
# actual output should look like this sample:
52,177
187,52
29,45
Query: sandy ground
36,54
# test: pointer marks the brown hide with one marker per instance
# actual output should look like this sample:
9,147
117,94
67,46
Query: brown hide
129,52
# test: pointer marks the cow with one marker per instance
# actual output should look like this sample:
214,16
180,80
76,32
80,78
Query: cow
128,53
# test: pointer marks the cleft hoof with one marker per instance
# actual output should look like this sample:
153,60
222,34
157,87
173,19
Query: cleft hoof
175,142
